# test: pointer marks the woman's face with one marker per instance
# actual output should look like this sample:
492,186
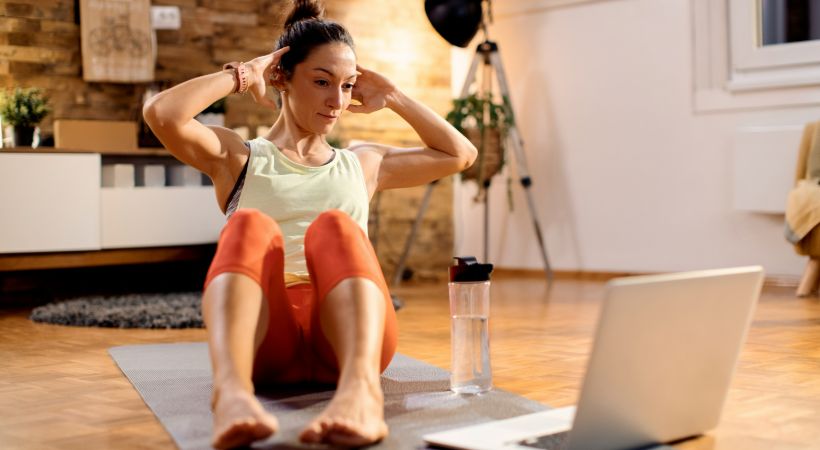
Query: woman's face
321,87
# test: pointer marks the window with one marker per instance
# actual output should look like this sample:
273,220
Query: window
756,53
787,21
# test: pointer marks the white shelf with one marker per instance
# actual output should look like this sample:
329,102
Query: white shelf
155,217
50,202
54,202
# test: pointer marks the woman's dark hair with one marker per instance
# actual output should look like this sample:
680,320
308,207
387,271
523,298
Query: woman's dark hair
305,29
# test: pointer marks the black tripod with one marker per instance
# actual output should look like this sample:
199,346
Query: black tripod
486,53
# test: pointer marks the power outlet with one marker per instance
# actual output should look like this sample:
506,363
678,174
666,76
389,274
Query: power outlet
165,18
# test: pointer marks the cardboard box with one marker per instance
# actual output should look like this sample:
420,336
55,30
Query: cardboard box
95,135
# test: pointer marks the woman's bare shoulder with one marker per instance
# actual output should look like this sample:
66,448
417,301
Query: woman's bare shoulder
370,153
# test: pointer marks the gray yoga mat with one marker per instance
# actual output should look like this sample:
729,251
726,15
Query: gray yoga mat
175,382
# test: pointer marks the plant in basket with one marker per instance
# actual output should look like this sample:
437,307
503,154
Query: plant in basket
485,123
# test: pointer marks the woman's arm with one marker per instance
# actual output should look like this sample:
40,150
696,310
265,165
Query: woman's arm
170,115
446,150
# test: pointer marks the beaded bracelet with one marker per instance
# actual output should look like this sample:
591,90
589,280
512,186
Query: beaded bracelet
241,74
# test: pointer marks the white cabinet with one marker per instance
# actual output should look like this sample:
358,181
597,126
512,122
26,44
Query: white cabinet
154,217
52,202
49,202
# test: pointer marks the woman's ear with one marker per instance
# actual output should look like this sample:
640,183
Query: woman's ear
277,79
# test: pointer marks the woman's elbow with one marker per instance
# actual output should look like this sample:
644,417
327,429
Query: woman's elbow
155,115
151,114
468,156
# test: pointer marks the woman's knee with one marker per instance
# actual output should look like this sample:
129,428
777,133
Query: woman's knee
252,219
250,225
332,221
247,242
332,227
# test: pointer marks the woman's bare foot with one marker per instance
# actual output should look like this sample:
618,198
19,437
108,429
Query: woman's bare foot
239,419
354,417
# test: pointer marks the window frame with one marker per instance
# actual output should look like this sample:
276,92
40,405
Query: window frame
731,71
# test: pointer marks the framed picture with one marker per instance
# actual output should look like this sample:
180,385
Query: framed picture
117,40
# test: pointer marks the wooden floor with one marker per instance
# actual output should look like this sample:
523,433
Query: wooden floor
60,389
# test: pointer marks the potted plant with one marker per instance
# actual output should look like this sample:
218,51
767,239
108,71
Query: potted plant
23,109
485,123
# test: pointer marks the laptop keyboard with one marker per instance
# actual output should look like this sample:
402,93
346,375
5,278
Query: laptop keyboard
556,441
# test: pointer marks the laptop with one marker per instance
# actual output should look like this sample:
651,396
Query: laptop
664,354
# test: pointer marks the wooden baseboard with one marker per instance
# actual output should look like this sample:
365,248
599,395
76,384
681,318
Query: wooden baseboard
64,260
785,281
502,272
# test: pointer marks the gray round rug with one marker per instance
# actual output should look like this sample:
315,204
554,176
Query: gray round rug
168,310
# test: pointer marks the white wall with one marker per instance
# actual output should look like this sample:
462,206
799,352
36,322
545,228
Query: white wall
627,175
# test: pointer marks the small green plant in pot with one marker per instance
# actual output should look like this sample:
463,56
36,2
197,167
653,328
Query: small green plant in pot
485,123
23,109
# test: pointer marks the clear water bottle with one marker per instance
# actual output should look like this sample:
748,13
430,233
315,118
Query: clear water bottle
469,331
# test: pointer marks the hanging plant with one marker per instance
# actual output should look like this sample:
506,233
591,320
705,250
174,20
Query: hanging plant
485,123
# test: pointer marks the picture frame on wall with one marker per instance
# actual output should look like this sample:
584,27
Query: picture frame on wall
117,41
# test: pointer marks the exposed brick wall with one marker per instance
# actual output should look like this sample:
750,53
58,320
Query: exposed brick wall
40,46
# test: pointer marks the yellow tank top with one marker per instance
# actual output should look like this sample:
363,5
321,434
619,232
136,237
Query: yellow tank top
294,195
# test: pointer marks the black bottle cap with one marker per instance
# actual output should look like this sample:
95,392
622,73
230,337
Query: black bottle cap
467,268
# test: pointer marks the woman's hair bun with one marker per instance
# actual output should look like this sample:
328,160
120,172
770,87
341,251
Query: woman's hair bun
304,10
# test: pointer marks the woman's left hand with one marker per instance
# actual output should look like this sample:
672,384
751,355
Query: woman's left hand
261,70
372,90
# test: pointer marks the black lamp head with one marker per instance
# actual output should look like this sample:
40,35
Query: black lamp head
457,21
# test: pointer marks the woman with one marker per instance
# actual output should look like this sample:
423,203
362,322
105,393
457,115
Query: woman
295,292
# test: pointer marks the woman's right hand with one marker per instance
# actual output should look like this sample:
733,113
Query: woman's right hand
261,69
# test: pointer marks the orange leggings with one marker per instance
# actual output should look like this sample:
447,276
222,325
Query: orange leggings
295,347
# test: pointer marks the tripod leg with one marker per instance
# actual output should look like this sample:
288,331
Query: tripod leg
486,220
470,78
425,202
526,182
374,220
521,161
